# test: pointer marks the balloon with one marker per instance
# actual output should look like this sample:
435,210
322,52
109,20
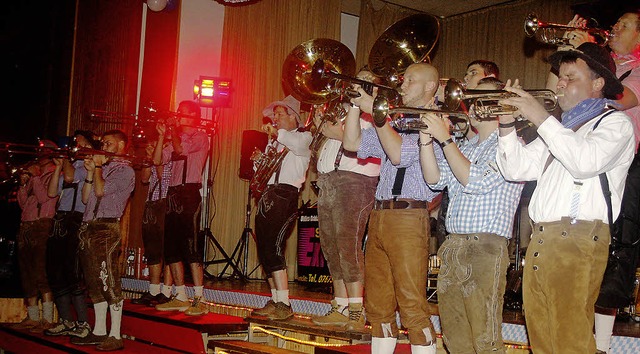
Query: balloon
156,5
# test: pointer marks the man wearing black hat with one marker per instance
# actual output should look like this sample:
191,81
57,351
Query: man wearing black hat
568,250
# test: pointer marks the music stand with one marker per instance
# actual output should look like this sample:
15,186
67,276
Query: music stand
206,230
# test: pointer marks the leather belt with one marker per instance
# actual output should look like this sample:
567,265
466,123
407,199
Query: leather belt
400,204
107,220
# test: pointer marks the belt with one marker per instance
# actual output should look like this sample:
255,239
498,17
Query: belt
400,204
107,220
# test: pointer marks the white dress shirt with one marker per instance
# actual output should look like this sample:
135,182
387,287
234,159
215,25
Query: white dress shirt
579,158
329,151
295,164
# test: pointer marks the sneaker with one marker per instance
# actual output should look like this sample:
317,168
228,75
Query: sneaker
27,323
41,327
162,298
81,329
61,329
282,312
356,317
111,344
266,310
174,305
146,299
197,308
90,339
332,318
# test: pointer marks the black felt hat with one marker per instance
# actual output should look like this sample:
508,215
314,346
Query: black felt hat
599,60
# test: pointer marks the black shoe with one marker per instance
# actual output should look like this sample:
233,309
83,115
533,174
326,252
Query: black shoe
146,299
162,299
90,339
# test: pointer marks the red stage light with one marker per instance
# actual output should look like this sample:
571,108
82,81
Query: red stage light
212,92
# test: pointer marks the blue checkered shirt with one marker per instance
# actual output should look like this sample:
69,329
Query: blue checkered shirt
488,203
414,186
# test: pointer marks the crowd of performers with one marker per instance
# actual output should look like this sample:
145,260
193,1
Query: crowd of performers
390,182
586,168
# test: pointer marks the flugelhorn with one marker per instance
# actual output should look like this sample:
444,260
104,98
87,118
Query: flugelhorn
553,33
381,109
485,102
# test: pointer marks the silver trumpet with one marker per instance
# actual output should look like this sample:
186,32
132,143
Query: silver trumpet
381,110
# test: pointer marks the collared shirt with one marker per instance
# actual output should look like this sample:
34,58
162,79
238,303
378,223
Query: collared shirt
119,180
158,188
66,194
34,200
295,164
579,158
195,146
632,82
414,186
327,158
488,202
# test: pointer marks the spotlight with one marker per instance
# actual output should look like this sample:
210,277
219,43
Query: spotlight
212,91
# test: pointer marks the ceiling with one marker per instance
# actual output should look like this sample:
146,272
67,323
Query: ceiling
439,8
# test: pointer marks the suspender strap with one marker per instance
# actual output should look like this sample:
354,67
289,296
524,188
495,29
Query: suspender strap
336,163
624,76
397,184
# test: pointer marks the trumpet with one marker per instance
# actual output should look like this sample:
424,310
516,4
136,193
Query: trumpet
552,33
80,153
485,102
381,109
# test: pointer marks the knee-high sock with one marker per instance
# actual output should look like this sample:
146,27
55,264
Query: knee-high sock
100,327
47,311
116,319
604,331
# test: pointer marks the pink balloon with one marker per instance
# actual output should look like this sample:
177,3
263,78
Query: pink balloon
156,5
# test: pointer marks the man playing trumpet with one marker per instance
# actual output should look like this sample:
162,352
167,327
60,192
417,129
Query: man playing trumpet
397,245
570,208
474,255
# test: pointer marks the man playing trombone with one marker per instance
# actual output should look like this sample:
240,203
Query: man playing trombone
474,255
347,190
397,245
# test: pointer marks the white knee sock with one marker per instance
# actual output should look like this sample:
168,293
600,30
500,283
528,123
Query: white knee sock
154,289
283,296
383,345
604,331
198,290
116,319
100,327
166,290
47,311
34,313
181,293
274,295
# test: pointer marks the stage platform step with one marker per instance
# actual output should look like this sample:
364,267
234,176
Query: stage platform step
237,346
300,334
23,341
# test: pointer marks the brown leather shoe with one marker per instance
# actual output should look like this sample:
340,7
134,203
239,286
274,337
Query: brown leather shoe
27,323
266,310
111,344
282,312
356,317
90,339
41,327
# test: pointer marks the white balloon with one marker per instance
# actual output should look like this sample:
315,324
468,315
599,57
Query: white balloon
156,5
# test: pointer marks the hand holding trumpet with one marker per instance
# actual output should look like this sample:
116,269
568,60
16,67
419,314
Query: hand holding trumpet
528,106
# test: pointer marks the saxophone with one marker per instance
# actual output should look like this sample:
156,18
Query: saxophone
267,164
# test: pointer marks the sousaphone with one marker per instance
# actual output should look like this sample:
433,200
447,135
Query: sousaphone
406,42
299,78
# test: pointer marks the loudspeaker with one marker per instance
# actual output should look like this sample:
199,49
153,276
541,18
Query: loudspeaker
251,140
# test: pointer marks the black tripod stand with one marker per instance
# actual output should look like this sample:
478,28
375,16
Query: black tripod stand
240,253
206,230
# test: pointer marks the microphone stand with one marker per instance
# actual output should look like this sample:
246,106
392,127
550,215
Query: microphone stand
206,230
